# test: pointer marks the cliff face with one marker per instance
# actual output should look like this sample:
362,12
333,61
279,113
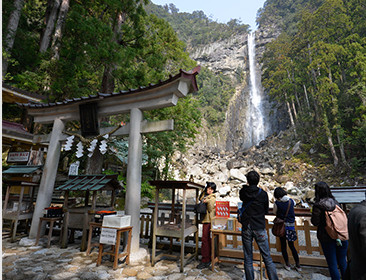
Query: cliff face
230,57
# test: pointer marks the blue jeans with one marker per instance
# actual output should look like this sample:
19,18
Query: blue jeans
335,256
261,238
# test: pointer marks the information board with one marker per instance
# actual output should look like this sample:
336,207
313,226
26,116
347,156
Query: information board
108,236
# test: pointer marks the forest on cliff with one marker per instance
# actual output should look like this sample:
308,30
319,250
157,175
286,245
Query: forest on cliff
316,68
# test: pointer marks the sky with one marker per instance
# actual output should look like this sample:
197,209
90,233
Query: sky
220,10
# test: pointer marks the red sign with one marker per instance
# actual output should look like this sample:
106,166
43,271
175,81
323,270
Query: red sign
223,209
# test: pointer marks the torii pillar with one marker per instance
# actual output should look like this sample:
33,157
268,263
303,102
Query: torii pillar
133,188
164,94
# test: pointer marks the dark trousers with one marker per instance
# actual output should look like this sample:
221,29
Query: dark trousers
206,243
292,248
336,256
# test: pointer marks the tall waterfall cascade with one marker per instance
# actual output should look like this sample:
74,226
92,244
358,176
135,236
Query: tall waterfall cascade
255,111
251,116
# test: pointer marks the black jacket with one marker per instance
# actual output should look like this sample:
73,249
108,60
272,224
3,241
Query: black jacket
357,241
318,217
255,213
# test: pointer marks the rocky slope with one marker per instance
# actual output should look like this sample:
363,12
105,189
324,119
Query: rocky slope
281,160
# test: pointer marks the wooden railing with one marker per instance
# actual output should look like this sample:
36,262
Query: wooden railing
309,248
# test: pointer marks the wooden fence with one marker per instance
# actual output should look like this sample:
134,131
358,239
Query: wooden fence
307,245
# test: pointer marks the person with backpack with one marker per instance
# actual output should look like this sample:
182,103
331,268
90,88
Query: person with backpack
334,248
252,217
208,196
283,208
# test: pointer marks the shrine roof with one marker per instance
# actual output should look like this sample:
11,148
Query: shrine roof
190,75
176,185
22,169
12,94
90,183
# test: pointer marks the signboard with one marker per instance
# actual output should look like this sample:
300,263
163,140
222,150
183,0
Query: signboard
223,209
108,236
18,157
36,158
74,168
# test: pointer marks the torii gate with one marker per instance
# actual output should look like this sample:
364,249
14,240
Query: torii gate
163,94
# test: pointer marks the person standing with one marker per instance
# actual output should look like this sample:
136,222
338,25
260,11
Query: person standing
357,242
284,204
209,197
335,251
256,205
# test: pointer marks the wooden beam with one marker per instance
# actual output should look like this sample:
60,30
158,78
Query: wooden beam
166,95
146,127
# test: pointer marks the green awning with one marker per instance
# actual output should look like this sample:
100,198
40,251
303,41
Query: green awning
90,183
22,169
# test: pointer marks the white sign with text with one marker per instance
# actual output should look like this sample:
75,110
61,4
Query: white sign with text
108,236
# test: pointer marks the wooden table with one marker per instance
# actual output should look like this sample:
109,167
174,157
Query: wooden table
90,236
217,236
115,248
52,222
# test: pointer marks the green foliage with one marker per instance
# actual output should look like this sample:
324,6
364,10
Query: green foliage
215,91
144,50
326,55
196,29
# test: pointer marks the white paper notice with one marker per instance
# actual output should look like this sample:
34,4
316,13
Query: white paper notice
108,236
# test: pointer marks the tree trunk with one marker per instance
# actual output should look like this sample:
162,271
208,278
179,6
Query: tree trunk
58,30
108,79
290,115
46,38
11,32
298,101
341,147
306,97
94,164
330,141
294,108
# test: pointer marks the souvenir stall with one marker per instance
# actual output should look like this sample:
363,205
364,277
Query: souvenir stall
21,182
177,226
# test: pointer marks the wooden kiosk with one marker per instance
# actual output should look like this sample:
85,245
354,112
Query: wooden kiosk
178,227
79,217
21,182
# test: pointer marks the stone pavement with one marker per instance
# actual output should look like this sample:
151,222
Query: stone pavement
21,260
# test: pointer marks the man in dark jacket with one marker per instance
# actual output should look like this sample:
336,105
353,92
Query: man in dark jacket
357,241
255,204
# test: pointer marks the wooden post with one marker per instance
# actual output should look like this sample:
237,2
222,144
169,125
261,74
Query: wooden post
155,223
183,229
65,227
6,198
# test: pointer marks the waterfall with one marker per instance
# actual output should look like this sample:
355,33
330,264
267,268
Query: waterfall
255,117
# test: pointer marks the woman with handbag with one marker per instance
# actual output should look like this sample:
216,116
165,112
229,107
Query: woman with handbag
284,210
208,196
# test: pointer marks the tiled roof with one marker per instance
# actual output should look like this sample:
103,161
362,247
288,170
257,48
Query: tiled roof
22,169
176,185
90,183
26,94
182,74
17,128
